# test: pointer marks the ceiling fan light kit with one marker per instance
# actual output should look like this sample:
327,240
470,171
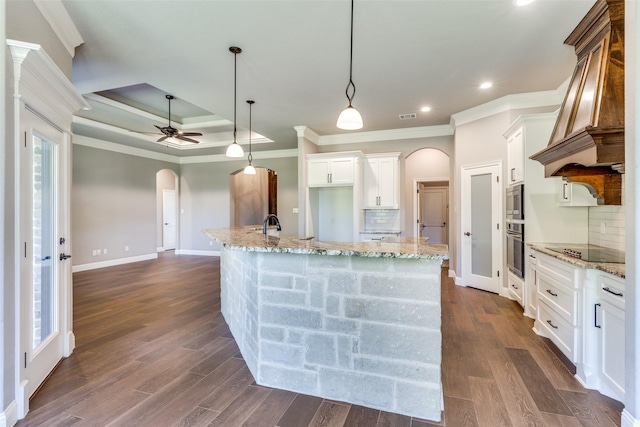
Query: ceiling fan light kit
171,132
350,118
249,169
235,150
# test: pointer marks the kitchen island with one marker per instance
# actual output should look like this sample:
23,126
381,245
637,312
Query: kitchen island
355,322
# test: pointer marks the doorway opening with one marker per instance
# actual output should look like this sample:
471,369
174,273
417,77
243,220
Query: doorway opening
433,211
253,197
166,210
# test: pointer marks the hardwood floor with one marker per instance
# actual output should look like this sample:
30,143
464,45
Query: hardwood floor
154,350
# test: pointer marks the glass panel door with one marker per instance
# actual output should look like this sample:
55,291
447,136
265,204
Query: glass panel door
44,247
481,202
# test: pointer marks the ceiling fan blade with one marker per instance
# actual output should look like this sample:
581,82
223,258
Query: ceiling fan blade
184,138
190,133
159,128
162,139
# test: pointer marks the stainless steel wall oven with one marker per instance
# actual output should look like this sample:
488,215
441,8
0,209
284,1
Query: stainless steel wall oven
515,248
515,202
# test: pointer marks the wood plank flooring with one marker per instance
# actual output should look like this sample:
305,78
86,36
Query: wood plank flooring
153,350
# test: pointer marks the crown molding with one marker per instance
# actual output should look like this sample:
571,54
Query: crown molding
122,149
57,16
506,103
257,155
139,152
305,132
530,118
386,135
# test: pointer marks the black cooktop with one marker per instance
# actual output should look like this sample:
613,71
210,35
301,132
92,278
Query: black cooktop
590,253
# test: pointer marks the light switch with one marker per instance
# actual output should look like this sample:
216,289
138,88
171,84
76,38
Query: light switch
295,210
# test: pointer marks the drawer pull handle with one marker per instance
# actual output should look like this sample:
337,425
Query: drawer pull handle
514,286
552,294
595,315
552,325
618,294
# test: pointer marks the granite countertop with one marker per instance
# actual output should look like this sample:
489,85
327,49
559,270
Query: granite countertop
251,239
616,269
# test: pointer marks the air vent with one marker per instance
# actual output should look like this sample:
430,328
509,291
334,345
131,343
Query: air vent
407,116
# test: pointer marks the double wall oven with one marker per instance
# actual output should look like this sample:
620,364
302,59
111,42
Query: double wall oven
515,229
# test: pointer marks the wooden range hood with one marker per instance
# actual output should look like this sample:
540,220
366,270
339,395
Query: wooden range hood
587,143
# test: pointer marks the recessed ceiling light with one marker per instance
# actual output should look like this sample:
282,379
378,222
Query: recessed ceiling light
522,2
486,85
425,109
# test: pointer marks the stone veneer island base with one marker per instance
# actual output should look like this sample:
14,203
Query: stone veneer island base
354,322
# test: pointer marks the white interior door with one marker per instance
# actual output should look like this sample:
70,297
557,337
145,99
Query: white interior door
45,271
433,213
481,234
168,219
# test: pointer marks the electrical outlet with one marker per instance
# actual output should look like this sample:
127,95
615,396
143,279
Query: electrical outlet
94,252
295,210
603,227
98,252
126,248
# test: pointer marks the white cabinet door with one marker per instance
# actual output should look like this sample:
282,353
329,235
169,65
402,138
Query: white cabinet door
612,325
341,171
326,172
317,172
381,182
371,183
515,157
387,183
572,194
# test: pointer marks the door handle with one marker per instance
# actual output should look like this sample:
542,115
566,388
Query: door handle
46,258
64,256
467,234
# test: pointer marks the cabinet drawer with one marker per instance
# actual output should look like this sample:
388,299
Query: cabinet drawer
516,287
560,271
557,296
557,330
612,290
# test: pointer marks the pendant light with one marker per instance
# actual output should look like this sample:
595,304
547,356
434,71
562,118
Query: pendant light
350,118
249,169
235,150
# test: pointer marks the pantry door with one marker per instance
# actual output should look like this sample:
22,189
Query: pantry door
45,268
481,210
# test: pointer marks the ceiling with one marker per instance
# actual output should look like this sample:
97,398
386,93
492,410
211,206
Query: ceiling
295,64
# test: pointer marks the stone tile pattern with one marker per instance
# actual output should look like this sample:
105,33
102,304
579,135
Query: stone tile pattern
356,329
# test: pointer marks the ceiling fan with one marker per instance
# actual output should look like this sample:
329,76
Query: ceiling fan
171,132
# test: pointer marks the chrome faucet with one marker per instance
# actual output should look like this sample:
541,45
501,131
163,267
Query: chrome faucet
266,222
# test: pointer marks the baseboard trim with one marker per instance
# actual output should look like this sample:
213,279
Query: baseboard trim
9,417
628,420
195,252
160,249
458,281
452,273
112,262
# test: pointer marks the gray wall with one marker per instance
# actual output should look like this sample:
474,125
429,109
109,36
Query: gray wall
205,201
21,20
113,204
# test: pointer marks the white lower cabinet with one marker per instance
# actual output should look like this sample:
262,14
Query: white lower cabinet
581,311
609,319
531,289
558,312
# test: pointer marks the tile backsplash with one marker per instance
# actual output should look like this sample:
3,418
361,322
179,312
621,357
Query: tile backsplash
381,219
613,218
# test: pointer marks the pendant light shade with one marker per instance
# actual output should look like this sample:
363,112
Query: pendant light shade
249,169
235,150
350,118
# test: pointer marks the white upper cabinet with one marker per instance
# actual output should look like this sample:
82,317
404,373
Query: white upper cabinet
574,194
324,171
515,158
381,182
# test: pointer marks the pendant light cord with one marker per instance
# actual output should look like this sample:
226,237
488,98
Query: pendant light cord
250,155
351,84
235,89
